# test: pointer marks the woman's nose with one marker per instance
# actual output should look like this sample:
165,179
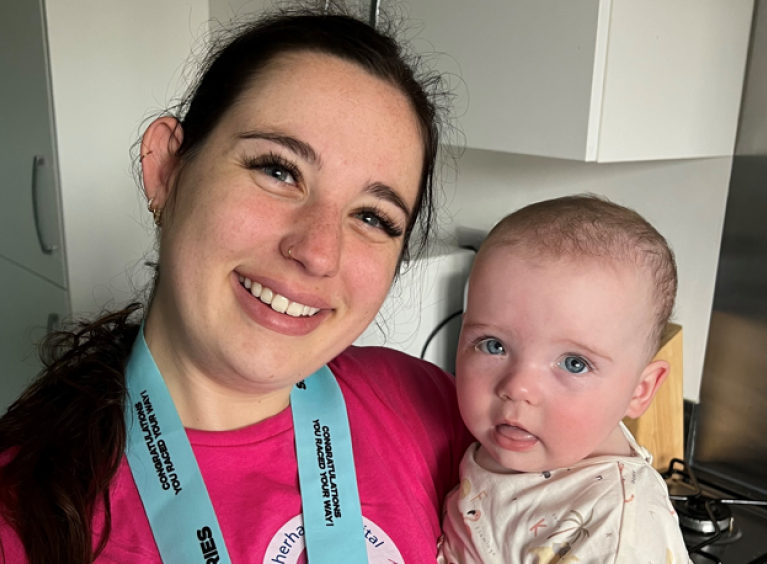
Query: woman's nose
521,384
316,242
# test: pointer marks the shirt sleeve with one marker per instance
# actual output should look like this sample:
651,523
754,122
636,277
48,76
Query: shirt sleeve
11,549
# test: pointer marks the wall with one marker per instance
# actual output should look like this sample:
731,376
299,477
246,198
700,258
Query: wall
113,63
224,10
685,200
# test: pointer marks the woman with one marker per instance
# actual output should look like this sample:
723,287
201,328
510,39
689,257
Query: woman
285,194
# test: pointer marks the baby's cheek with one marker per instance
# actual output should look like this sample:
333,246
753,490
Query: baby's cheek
473,404
575,432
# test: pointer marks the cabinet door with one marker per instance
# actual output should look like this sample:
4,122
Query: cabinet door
593,80
28,305
525,70
30,232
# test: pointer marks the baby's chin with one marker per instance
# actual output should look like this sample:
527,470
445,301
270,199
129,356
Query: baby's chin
496,460
486,460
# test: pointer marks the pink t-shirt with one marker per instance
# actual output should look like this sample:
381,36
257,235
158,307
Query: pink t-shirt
408,439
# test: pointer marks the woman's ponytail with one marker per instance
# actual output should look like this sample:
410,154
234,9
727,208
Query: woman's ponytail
62,441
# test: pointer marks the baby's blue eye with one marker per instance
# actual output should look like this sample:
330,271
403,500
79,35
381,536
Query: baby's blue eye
491,346
574,365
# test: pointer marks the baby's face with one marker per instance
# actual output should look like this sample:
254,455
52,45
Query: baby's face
550,356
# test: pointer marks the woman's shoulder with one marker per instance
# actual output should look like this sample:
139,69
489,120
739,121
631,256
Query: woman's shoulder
415,392
12,550
395,374
391,364
405,405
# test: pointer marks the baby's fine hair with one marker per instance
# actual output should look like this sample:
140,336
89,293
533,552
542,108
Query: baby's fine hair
590,226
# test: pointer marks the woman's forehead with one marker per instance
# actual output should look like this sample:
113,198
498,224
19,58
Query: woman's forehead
335,111
304,85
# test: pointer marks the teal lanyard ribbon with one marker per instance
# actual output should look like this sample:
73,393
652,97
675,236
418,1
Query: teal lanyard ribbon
173,492
329,498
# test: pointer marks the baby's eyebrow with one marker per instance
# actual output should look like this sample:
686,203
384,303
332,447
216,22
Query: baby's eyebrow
479,327
588,349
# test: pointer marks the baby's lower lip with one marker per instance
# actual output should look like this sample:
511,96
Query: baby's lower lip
514,438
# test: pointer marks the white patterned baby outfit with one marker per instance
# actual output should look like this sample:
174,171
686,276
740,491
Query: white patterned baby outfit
602,510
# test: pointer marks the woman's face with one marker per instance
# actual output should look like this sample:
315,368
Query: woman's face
305,188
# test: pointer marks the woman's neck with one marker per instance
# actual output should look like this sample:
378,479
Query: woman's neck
205,402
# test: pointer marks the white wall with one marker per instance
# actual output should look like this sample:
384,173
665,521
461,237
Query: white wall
113,63
224,10
684,200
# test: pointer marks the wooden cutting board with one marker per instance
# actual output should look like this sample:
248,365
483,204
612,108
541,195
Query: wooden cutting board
661,428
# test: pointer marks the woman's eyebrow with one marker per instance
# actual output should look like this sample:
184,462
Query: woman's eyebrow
301,148
304,150
384,192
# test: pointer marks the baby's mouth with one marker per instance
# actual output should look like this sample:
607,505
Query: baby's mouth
514,433
278,302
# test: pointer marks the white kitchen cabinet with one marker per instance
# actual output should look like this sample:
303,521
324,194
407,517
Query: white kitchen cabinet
33,294
30,305
30,233
593,80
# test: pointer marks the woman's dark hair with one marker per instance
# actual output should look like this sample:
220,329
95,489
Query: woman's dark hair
62,441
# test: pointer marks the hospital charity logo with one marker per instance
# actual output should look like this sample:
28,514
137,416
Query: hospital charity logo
288,547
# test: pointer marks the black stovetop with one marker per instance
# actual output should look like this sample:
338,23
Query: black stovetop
719,526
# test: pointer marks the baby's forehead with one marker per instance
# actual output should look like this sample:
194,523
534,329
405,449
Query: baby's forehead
498,266
499,257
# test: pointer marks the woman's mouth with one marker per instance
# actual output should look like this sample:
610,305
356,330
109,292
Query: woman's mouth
275,311
278,302
512,437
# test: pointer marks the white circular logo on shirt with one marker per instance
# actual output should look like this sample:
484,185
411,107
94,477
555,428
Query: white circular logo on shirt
288,546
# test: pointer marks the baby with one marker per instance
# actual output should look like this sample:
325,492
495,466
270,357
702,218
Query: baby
567,301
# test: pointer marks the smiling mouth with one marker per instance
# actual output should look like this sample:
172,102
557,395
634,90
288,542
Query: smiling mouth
278,302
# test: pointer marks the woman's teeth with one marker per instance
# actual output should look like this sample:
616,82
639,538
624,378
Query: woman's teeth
279,303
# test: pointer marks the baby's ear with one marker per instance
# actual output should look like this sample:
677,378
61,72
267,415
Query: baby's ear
650,381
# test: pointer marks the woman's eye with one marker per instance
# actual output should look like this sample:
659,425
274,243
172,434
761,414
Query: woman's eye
371,219
279,173
575,365
492,347
377,220
275,167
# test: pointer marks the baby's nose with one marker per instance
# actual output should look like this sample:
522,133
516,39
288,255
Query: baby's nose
521,383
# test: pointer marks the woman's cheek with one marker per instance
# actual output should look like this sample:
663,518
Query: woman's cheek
372,269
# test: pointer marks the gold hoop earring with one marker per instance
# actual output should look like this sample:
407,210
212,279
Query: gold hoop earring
156,212
145,155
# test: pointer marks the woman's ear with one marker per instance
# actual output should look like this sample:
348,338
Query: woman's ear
650,381
159,161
